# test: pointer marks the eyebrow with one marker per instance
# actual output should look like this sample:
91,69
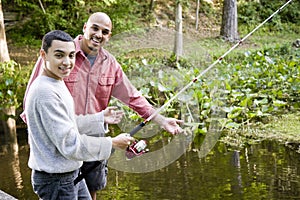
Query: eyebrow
60,51
106,29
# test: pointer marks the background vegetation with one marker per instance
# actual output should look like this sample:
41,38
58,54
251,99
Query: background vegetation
38,18
258,81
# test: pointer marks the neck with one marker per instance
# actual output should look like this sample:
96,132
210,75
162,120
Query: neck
48,73
87,50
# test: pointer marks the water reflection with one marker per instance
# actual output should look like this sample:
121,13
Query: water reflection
10,148
11,177
262,171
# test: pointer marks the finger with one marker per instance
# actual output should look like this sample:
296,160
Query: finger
111,108
119,112
179,121
180,130
128,137
116,114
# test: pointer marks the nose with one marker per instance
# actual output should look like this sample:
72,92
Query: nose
67,61
99,33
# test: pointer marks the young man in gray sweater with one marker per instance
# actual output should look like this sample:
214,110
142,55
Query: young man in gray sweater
59,140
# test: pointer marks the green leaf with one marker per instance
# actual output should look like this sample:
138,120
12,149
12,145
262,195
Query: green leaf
10,93
279,103
231,125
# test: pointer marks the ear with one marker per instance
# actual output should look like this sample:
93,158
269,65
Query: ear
84,27
43,54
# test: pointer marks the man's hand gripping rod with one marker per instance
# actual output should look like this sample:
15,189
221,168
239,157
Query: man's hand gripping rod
141,125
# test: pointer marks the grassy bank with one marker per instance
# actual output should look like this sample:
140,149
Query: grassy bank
281,128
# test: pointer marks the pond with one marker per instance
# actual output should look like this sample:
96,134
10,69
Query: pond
266,170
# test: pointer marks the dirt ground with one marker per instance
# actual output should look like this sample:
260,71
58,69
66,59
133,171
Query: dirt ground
24,55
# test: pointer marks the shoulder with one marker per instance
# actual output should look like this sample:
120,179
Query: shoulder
108,54
44,88
110,60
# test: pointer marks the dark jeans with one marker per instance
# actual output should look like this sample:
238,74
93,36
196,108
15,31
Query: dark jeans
50,186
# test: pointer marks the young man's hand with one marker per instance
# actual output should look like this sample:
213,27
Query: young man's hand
122,141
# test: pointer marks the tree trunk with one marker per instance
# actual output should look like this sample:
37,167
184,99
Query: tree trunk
4,55
151,7
9,125
178,47
229,21
197,14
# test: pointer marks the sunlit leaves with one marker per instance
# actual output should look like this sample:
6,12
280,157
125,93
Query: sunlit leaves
12,84
279,103
261,83
252,86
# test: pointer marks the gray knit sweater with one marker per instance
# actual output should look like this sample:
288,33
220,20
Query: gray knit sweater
59,140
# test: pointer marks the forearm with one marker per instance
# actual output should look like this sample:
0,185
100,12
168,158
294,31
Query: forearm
159,119
92,124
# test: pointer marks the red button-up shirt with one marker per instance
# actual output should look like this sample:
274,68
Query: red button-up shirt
92,87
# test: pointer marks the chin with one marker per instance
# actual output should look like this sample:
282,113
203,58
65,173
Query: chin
94,49
66,74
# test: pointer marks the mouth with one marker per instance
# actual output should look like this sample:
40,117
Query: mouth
64,68
96,40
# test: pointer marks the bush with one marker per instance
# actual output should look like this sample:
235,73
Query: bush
12,84
252,13
70,16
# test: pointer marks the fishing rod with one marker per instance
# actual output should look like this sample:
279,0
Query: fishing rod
141,125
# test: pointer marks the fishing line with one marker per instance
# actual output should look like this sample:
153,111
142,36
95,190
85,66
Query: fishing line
141,125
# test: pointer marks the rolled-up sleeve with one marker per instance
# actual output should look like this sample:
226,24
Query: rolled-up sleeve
129,95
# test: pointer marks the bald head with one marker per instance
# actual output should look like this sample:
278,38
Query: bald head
100,16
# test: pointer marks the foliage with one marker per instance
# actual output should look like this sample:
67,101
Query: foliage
258,84
251,13
265,82
127,15
12,84
71,15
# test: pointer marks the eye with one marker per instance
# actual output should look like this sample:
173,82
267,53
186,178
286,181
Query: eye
105,32
72,55
59,55
95,28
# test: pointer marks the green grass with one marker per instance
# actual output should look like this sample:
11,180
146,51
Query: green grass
258,40
282,128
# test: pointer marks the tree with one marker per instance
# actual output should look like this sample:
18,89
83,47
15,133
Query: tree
151,7
229,28
178,47
4,56
9,123
197,14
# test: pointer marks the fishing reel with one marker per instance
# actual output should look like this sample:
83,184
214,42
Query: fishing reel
137,148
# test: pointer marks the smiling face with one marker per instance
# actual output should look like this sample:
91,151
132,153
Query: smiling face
97,32
59,59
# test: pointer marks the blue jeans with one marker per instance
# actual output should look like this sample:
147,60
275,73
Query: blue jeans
52,186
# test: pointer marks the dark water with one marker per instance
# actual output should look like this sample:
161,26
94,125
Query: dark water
263,171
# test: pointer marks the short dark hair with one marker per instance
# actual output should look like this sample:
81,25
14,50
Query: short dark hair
54,35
